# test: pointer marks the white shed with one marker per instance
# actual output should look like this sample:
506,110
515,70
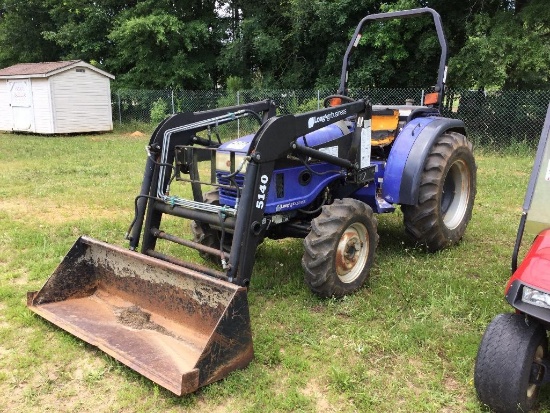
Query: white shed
55,97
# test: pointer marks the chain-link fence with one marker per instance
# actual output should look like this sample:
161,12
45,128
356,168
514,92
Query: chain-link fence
494,120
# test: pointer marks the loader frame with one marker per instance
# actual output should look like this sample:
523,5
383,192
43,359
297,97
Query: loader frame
275,140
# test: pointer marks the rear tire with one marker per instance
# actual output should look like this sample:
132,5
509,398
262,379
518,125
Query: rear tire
446,194
339,250
504,363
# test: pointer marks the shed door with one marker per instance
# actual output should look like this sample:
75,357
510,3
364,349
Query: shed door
21,104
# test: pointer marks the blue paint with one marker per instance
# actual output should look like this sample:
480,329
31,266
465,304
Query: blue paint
370,193
295,196
315,138
381,194
398,158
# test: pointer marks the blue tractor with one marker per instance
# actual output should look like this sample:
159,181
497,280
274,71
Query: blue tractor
321,176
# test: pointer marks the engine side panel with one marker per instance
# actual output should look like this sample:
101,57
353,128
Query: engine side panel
291,188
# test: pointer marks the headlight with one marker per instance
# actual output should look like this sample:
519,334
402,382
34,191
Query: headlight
535,297
223,161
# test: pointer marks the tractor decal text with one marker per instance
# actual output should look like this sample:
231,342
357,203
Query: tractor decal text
292,204
260,202
325,118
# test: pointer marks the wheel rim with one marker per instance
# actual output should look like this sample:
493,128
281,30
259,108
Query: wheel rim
533,388
456,194
352,252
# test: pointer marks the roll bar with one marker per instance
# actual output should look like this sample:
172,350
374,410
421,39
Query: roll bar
442,71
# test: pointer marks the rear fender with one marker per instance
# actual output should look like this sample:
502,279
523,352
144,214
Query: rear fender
408,155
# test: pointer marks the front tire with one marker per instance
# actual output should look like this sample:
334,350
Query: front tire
446,194
206,235
339,250
506,365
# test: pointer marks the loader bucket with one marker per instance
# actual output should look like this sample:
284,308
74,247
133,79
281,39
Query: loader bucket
175,326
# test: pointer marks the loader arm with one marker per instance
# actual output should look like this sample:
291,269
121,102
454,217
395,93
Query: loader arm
180,130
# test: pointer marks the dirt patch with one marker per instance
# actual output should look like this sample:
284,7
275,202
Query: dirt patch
135,317
318,309
23,280
136,134
315,391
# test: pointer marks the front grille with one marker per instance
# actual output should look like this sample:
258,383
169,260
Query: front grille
222,180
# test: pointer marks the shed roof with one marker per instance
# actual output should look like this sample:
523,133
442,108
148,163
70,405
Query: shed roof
45,69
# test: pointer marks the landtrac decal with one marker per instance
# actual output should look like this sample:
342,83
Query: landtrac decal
288,205
325,118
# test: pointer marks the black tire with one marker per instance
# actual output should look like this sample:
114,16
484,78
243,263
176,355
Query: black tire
210,237
339,250
504,363
446,194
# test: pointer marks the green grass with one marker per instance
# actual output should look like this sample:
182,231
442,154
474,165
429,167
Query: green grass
404,343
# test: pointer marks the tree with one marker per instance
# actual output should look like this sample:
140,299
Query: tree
81,28
287,43
301,43
166,43
21,27
510,50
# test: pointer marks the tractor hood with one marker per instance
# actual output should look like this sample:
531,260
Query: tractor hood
315,138
240,145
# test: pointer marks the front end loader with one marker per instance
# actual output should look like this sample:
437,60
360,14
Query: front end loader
320,176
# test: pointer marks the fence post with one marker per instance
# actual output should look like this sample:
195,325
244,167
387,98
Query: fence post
119,108
422,98
318,99
173,110
238,120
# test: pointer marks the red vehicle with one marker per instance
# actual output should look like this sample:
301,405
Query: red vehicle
512,361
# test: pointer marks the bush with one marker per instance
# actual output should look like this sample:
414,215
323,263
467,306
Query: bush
159,111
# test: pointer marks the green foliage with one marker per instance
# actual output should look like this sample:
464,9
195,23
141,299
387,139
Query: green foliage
282,44
234,84
386,52
158,48
81,28
21,24
507,50
159,111
308,105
